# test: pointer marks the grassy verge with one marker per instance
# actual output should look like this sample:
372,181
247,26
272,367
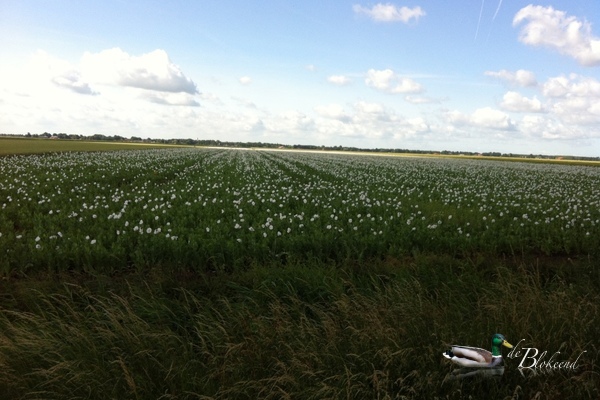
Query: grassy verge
299,331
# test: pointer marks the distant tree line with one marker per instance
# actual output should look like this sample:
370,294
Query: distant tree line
219,143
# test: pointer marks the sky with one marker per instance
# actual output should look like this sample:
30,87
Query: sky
481,76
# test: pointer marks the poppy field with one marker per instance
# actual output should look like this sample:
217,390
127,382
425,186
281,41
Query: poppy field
227,209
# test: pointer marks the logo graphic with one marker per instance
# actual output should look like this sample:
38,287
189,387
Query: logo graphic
533,359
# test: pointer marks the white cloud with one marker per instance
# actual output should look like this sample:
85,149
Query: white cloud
486,117
571,104
572,85
150,71
361,113
44,69
72,80
333,111
577,110
456,118
545,26
520,77
574,99
244,102
245,80
422,99
289,122
311,67
45,94
390,13
547,128
556,87
595,108
513,101
389,82
254,124
490,118
367,120
411,127
211,97
365,111
170,99
339,80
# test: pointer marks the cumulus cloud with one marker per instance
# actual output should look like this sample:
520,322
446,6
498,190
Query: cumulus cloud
245,80
333,111
558,86
389,82
254,124
572,85
150,71
170,99
572,108
490,118
390,13
244,102
545,26
520,77
565,107
289,122
412,127
547,128
44,68
422,99
595,108
73,81
571,104
486,117
367,120
513,101
112,76
338,80
577,111
365,111
211,98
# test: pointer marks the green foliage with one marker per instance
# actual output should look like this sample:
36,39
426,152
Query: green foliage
218,274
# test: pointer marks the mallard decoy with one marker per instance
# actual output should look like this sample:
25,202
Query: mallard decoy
474,357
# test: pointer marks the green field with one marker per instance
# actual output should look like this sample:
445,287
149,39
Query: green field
11,145
218,274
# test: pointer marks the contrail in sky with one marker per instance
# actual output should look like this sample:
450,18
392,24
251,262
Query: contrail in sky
481,13
497,9
479,21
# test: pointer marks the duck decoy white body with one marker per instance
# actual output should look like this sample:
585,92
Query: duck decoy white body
475,357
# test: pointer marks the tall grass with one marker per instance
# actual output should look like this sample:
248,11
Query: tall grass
308,331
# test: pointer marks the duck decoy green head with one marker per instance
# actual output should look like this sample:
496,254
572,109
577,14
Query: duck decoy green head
497,341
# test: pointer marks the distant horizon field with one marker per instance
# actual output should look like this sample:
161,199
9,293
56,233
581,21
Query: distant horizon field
21,146
439,155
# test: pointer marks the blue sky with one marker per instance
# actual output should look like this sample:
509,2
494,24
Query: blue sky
508,76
